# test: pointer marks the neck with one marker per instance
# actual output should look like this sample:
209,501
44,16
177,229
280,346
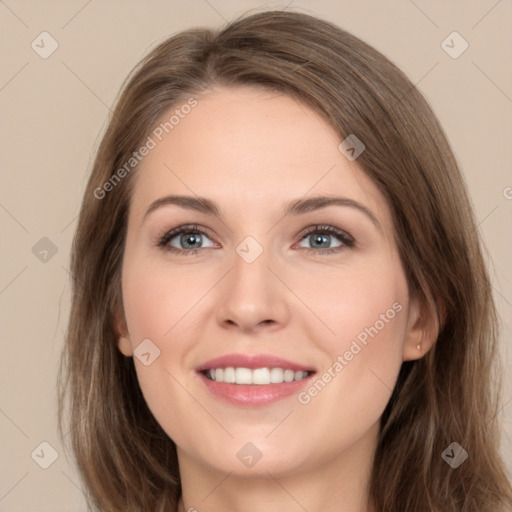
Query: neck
338,483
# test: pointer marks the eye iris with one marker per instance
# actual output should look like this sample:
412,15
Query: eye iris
189,239
322,240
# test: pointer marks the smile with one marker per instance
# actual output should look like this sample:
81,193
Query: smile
250,380
258,376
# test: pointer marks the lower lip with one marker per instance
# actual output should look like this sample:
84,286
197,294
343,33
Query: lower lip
254,395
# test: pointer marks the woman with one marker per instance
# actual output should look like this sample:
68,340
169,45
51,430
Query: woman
279,294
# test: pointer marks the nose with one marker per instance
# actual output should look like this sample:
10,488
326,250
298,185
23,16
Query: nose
252,298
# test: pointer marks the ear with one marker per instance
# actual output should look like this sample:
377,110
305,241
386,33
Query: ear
422,329
123,339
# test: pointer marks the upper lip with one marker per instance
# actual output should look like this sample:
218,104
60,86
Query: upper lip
252,362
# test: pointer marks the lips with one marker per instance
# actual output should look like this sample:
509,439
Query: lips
255,380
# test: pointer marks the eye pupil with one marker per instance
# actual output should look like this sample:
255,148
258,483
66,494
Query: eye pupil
189,239
322,240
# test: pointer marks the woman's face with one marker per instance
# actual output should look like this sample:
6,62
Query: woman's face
278,284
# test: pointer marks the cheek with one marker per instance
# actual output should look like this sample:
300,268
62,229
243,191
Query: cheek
156,301
160,303
157,298
364,302
366,312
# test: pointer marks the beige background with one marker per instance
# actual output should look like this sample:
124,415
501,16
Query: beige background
53,111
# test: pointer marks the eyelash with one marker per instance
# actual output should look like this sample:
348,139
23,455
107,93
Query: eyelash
346,239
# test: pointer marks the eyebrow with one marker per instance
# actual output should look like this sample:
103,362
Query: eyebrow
296,207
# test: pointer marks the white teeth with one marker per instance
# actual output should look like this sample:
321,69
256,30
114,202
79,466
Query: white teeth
289,375
229,375
259,376
298,375
276,375
243,376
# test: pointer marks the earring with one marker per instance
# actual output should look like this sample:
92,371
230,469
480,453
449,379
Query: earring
418,346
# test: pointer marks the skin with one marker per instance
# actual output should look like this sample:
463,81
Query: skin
251,151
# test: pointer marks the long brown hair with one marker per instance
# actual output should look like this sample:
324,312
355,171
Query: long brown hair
126,460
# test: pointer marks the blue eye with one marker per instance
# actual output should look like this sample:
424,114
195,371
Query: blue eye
326,239
189,239
185,240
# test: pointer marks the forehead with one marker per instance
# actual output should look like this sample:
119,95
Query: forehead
250,150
